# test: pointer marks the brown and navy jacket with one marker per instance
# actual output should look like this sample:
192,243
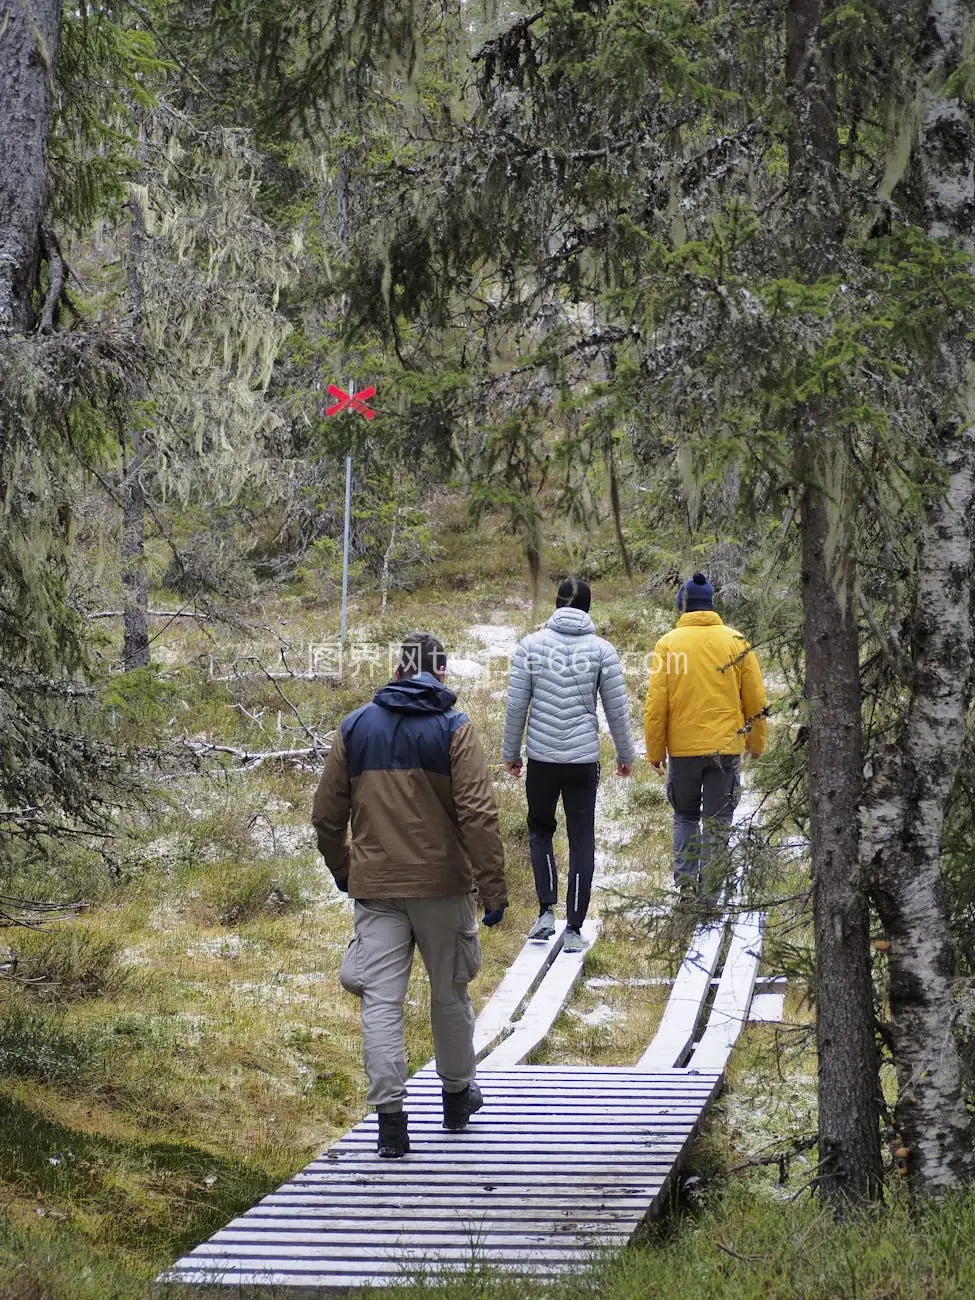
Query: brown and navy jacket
409,772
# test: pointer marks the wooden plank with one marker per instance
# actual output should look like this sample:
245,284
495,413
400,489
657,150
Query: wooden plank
675,1032
610,1076
522,975
564,1086
729,1012
472,1146
313,1257
526,1142
330,1241
512,1115
560,1162
521,1134
544,1007
512,1107
597,1180
506,1210
346,1196
599,1166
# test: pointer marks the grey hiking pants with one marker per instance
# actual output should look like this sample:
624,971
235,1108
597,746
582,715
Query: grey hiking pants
376,968
703,791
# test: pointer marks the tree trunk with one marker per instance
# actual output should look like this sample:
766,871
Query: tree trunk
849,1128
903,824
850,1166
135,587
29,38
388,556
904,813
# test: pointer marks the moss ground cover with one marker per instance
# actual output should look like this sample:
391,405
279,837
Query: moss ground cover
181,1045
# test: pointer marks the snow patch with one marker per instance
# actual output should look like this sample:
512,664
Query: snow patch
467,668
226,946
767,1008
500,639
598,1018
619,982
280,841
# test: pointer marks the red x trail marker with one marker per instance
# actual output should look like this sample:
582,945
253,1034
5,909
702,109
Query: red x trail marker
357,401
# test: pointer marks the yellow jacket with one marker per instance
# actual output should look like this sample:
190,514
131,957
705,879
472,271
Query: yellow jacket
706,694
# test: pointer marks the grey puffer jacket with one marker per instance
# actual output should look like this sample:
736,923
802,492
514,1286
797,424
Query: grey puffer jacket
556,676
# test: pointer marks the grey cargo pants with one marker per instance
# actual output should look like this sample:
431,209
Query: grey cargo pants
703,791
376,968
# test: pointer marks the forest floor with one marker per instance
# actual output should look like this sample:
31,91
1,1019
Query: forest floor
182,1046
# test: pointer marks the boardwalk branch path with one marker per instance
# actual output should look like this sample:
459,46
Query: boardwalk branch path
561,1164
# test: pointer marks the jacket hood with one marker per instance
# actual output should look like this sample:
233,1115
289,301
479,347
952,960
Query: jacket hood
700,618
419,694
571,622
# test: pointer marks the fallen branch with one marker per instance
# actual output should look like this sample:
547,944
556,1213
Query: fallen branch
735,1254
301,722
275,677
32,914
251,759
780,1158
150,613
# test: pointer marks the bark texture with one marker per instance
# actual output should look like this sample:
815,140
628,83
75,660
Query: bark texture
850,1166
904,811
849,1129
135,586
902,827
29,36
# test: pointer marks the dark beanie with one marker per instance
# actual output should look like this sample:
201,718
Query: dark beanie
695,593
575,593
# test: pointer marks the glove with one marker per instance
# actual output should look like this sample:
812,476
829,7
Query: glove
343,884
494,916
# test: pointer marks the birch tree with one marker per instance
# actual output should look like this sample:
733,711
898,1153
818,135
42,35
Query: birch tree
914,775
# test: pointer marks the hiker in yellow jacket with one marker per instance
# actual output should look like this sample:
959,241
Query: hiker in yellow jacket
705,705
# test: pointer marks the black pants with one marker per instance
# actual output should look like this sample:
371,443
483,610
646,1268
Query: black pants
577,784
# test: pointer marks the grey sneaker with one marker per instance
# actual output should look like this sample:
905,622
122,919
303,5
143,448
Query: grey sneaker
544,927
574,942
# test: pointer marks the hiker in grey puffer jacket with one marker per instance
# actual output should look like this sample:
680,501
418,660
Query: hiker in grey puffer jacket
556,676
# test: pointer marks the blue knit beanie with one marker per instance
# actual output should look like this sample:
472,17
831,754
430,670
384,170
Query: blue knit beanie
695,593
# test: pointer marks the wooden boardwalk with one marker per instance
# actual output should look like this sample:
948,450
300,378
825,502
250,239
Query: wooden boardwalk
561,1163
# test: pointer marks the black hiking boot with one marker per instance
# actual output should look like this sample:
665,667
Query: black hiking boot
458,1107
394,1140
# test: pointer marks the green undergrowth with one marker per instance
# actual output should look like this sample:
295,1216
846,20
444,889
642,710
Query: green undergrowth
182,1045
741,1245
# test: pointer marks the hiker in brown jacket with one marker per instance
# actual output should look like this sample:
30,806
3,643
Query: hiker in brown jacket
410,773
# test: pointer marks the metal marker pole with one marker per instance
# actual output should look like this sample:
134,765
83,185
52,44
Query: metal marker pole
345,544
